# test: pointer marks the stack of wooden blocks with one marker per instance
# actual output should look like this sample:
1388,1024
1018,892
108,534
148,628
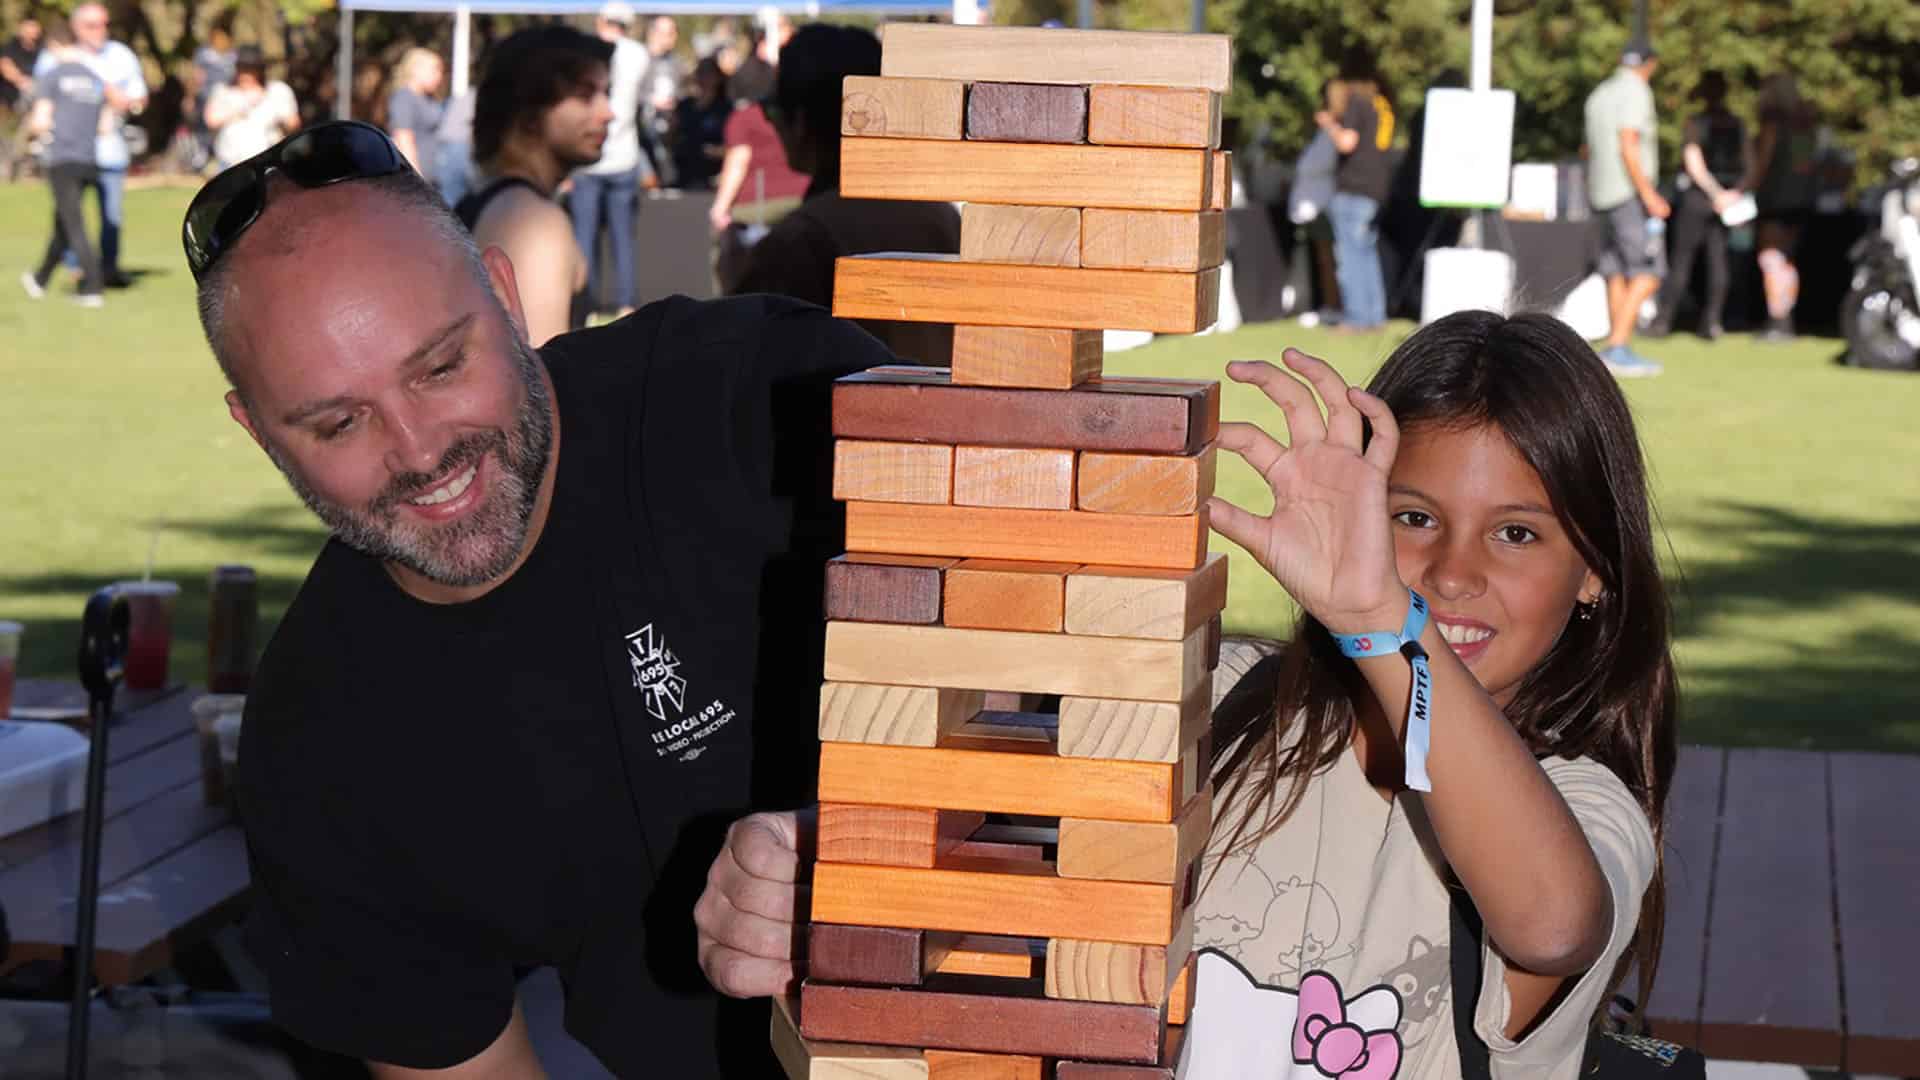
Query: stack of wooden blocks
1006,894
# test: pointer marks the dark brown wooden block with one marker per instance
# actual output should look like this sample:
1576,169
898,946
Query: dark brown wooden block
885,588
1876,863
869,955
1693,817
1214,630
962,1013
1094,1070
1152,416
1026,112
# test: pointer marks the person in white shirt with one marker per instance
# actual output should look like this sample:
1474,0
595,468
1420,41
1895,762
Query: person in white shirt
608,190
119,68
250,113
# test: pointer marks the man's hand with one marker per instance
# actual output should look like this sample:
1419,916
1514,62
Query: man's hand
746,917
1657,205
1726,198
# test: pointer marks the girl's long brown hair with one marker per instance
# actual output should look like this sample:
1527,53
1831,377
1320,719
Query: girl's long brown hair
1606,689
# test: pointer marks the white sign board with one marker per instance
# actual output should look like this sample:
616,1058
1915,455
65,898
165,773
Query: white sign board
1466,153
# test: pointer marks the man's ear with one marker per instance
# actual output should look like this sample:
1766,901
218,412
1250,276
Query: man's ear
237,408
506,287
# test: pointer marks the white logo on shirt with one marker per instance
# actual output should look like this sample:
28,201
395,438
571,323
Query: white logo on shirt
656,671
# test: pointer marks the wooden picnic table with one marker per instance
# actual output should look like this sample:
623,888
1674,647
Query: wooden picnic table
172,869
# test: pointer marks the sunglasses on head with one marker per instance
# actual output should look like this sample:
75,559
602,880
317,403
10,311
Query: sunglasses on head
315,157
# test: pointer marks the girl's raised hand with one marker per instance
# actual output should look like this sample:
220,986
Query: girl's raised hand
1328,540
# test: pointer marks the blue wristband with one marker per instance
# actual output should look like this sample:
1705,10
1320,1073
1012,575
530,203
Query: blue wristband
1419,703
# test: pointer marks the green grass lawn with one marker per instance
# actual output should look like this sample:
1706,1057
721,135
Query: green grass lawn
1787,486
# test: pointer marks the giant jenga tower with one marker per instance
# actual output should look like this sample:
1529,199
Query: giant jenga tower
1004,893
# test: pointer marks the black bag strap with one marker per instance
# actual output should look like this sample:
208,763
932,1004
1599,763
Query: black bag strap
1464,961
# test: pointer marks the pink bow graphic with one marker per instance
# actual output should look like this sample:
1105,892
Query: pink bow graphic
1325,1039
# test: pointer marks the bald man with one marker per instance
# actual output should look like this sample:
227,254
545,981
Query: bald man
507,720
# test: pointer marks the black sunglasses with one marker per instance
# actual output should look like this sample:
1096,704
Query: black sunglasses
316,157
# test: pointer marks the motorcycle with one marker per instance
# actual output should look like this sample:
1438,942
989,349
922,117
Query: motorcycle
1880,316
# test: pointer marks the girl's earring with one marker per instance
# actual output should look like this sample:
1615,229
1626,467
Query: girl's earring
1586,611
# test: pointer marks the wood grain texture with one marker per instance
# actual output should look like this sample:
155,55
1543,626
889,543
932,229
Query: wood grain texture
1153,116
810,1059
1180,998
1220,183
865,955
991,594
1025,174
1000,782
1133,850
891,835
1013,897
919,287
984,1021
1176,543
885,588
1006,476
1153,239
1032,357
1107,483
894,715
892,471
1143,670
1029,235
1147,416
1026,112
1133,730
962,1065
876,107
1033,54
1114,971
1136,602
988,955
1876,862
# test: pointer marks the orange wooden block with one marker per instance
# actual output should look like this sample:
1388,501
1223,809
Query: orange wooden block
1025,174
891,835
978,954
1153,116
1153,239
990,594
1180,998
892,472
1003,782
960,1065
1011,477
1220,184
989,897
914,287
1028,357
972,532
1033,235
1143,483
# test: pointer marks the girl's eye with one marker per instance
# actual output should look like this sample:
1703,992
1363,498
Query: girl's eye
1416,519
1516,534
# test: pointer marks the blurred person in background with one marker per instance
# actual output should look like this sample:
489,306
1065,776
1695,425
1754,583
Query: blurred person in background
754,170
608,191
453,162
17,60
1623,158
659,92
69,99
752,80
413,110
700,127
212,69
1784,182
116,64
251,113
1360,189
1713,159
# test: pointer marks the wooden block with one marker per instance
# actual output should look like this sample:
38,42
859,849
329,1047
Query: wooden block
1175,543
1026,112
1135,602
1220,184
1030,235
983,734
1153,239
903,108
892,472
1026,174
978,954
989,1022
1013,477
919,287
987,849
1153,116
1216,630
1114,971
885,588
891,835
867,955
1133,850
960,1065
1133,730
1105,1070
893,715
810,1059
989,594
1042,359
1143,483
984,896
1876,863
1142,670
1001,782
1034,54
1180,998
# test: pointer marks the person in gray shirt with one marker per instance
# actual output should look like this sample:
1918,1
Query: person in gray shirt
68,98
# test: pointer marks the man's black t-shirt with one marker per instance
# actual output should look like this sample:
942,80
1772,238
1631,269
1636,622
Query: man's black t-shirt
1365,171
24,59
437,798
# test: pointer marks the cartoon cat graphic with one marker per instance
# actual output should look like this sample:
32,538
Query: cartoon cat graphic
1239,1028
1423,980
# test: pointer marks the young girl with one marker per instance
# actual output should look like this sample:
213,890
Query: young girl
1502,484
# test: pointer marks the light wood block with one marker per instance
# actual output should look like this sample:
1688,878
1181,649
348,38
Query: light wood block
1153,116
1143,670
1144,483
961,1065
1006,781
1034,54
1025,174
1136,602
1026,112
885,588
978,954
1135,851
919,287
1153,239
1220,184
1173,543
1029,235
1133,730
1013,477
990,594
987,897
873,107
811,1059
892,835
1043,359
892,472
894,715
1114,971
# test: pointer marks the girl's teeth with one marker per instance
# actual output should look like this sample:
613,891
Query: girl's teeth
1464,635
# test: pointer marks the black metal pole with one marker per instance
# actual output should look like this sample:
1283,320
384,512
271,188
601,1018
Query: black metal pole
103,650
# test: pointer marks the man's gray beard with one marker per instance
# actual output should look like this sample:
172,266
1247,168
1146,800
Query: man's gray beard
481,546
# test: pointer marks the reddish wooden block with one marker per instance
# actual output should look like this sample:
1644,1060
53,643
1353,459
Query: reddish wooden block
989,594
885,588
986,1022
868,955
891,835
1026,112
1011,477
1032,357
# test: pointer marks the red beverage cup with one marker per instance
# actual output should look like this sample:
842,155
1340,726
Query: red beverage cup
149,631
9,659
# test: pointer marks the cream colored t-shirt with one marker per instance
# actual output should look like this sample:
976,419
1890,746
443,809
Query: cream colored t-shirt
1351,887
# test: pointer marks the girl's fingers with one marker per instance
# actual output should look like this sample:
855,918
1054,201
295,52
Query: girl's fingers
1343,422
1253,444
1237,525
1295,400
1386,430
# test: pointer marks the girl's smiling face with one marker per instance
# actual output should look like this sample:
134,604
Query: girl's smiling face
1475,533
